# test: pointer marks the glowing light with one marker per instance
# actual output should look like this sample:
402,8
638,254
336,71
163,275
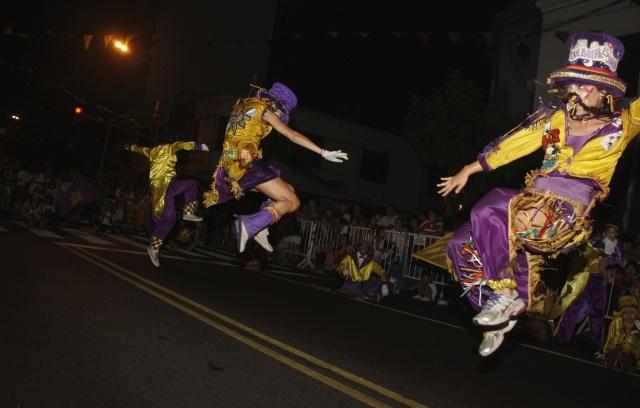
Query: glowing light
78,110
121,46
15,117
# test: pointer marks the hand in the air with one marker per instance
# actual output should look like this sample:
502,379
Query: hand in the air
205,148
454,183
336,156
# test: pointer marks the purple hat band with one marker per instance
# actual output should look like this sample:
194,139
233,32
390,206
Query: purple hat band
284,96
593,59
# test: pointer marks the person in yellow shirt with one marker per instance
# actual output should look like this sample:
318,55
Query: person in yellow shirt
241,168
622,349
498,254
165,188
364,276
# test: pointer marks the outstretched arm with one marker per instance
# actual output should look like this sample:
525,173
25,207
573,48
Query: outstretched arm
143,150
298,138
181,145
459,180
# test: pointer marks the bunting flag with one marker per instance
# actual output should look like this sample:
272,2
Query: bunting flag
107,40
209,40
87,41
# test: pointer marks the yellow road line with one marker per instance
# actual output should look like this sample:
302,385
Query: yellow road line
337,370
256,346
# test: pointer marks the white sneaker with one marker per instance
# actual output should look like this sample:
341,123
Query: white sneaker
262,240
422,298
243,235
499,309
153,256
491,340
191,217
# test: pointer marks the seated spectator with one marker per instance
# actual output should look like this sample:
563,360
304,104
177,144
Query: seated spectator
388,220
33,209
364,277
432,225
622,349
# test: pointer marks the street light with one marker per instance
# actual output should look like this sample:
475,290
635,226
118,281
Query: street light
15,117
121,46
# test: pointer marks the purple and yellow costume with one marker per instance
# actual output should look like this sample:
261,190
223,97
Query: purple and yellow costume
364,278
164,186
245,130
584,293
491,250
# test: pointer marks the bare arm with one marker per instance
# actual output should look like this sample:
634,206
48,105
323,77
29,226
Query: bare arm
295,136
457,182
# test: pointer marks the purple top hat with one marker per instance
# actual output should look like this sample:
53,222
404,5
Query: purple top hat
593,59
284,98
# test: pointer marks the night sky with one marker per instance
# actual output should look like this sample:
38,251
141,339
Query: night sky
350,59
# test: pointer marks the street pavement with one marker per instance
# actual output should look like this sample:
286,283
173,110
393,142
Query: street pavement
89,322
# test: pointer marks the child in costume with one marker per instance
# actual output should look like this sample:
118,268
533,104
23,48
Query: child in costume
364,276
622,349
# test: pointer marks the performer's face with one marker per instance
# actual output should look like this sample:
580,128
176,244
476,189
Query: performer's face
589,94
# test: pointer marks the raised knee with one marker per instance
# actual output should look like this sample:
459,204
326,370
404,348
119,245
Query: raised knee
295,203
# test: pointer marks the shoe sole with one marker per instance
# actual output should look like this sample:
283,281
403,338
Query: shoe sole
157,265
263,244
503,331
242,232
499,322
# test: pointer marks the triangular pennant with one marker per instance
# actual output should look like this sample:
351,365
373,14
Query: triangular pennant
87,41
107,40
423,37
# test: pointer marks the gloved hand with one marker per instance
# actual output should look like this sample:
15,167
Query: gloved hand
345,272
336,156
205,148
127,146
384,290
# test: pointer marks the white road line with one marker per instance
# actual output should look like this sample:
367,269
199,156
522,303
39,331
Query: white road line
45,233
214,254
130,242
87,237
182,251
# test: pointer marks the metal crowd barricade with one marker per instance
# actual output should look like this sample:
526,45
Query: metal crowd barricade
393,249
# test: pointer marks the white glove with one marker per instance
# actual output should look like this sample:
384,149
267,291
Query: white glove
205,148
384,290
345,272
127,146
336,156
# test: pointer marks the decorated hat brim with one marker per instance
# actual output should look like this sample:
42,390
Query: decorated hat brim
565,76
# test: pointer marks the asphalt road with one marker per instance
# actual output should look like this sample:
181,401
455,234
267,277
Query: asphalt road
89,322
